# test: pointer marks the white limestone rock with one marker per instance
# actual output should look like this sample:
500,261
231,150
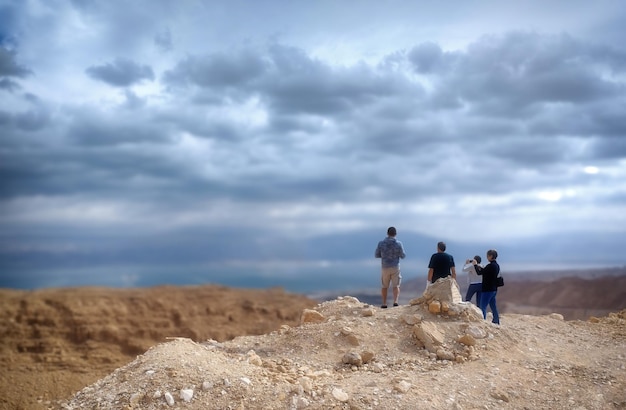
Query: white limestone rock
429,335
340,395
402,386
352,358
169,399
311,316
186,395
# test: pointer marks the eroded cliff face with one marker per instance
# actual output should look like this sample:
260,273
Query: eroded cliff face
56,341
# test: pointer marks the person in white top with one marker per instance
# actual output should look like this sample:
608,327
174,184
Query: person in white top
475,281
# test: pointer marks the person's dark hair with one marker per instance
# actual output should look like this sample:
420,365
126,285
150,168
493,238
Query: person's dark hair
391,231
477,258
493,253
441,246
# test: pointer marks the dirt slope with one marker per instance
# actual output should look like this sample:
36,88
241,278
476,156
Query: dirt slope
352,355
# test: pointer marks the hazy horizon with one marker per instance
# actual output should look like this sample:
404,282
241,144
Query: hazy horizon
314,280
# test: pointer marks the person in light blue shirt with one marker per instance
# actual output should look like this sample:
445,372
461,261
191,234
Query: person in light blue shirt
390,251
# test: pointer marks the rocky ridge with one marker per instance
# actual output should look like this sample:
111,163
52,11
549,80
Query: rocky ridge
434,353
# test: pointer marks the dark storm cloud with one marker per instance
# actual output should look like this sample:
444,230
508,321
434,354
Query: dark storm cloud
528,96
511,86
121,73
429,58
9,85
5,117
29,121
513,73
532,152
299,83
8,15
10,70
163,40
134,102
90,127
285,78
385,112
32,120
221,70
613,147
105,173
602,119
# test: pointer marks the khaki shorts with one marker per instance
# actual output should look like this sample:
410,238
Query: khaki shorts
390,276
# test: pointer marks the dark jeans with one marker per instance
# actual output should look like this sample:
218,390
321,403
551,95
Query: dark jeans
489,298
474,288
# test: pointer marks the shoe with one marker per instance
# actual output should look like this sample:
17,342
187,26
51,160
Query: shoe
384,306
395,304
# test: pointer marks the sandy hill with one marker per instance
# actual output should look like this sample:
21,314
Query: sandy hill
435,353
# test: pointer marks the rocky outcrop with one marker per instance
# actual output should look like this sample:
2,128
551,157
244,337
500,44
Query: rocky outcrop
308,366
443,297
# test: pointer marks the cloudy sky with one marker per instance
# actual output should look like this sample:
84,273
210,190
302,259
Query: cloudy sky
273,142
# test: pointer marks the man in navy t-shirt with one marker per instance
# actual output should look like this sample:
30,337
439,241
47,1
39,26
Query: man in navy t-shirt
441,264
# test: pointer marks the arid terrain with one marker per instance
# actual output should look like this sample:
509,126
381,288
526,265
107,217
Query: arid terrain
143,343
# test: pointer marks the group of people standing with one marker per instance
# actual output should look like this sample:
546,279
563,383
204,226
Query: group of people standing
441,265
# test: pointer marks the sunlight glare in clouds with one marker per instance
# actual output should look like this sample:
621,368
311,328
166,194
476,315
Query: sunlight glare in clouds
591,170
556,195
550,196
